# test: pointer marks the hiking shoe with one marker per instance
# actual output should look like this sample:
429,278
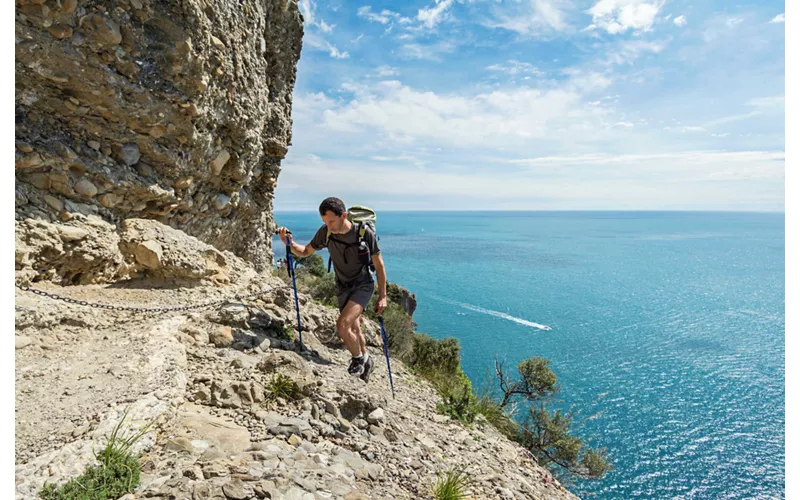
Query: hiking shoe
356,367
367,369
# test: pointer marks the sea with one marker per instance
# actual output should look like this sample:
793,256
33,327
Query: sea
665,330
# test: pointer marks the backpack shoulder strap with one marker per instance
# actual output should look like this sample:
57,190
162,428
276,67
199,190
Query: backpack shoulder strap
362,229
327,237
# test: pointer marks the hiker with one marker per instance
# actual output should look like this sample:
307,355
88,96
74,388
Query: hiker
352,248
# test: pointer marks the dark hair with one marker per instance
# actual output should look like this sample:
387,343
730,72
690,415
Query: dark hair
332,204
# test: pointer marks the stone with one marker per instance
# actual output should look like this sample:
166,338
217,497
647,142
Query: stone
184,182
149,253
85,188
109,200
217,43
101,30
22,341
94,145
222,437
70,233
219,162
376,416
60,31
427,443
29,160
179,444
237,490
221,201
222,336
128,153
53,203
215,470
294,440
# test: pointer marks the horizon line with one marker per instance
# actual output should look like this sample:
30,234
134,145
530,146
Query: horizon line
605,210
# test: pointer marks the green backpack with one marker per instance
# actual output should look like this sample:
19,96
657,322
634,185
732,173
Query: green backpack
363,217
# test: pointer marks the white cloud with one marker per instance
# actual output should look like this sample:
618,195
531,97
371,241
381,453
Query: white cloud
384,17
385,70
431,16
308,9
674,180
317,42
767,102
628,51
513,67
730,119
617,16
586,81
432,52
624,124
720,25
780,18
397,114
533,17
732,22
680,21
314,25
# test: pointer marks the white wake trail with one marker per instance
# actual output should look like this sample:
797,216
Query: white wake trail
503,315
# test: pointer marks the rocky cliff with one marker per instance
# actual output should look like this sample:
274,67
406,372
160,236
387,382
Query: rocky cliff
173,111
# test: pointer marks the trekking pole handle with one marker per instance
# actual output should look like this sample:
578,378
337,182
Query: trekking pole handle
289,254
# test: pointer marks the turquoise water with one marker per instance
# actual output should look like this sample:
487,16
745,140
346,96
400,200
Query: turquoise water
665,328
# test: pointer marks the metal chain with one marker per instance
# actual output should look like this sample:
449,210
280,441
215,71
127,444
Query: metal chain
147,309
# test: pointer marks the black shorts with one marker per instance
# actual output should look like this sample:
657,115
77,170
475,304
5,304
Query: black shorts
359,291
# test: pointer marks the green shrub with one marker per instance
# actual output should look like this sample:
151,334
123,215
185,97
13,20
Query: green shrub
437,355
285,332
452,485
313,263
398,326
459,404
323,289
282,386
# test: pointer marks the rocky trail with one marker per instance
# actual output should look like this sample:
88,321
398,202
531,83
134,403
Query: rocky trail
207,378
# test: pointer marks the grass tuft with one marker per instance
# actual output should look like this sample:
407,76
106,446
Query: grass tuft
118,471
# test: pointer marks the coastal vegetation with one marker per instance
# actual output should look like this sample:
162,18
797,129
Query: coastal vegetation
522,406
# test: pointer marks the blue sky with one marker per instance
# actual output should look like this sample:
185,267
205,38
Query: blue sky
539,104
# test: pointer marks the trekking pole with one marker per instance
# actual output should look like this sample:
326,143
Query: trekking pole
294,285
386,352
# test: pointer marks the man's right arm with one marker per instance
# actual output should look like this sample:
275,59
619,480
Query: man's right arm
302,250
297,249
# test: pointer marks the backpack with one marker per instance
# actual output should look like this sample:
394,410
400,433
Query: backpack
363,217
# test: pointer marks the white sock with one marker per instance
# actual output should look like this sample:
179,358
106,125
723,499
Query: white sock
365,356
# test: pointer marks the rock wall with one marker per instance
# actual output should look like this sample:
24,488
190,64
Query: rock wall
173,111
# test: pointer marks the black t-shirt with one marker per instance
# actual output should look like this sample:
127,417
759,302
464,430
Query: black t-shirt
344,250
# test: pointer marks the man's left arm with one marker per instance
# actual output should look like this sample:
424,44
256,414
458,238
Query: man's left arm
380,271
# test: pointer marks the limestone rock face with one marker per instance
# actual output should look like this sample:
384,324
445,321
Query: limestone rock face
173,111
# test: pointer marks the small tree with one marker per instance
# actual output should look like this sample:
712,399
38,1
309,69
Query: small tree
546,433
537,381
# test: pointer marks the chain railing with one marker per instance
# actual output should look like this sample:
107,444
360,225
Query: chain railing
112,307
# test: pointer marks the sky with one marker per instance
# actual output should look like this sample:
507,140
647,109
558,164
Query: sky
539,105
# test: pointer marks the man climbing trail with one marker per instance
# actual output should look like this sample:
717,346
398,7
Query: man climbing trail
352,247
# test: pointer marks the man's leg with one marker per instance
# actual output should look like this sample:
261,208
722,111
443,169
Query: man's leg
362,341
348,318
